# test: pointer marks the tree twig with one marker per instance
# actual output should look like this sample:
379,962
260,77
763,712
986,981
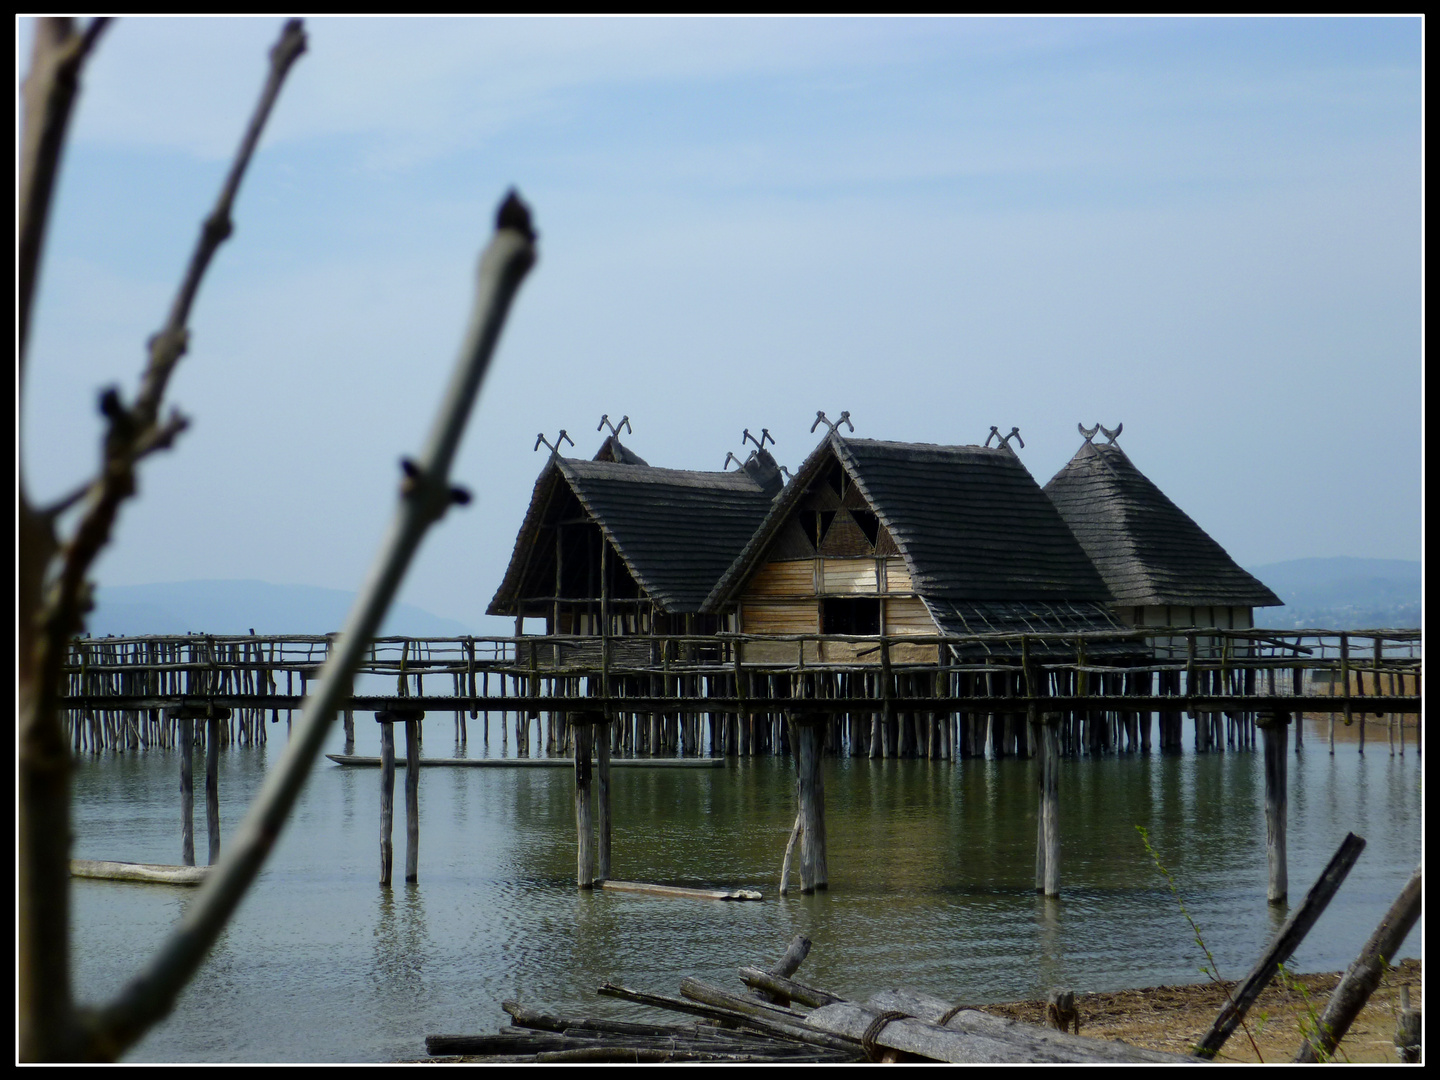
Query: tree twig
50,613
425,494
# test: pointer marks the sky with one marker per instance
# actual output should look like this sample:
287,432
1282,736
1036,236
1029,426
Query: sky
1209,230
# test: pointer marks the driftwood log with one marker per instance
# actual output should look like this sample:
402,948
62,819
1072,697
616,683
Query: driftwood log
804,1024
1283,947
1364,974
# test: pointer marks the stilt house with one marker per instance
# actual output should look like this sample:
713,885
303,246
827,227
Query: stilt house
892,538
616,542
1160,566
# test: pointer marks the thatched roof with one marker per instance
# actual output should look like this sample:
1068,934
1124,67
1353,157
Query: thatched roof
676,531
1146,548
970,522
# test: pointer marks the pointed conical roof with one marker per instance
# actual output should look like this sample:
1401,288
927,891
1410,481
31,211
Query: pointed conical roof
1148,550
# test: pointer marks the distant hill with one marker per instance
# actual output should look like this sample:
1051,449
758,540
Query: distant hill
235,607
1342,593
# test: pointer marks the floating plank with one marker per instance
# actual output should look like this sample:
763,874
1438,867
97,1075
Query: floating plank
677,891
153,873
534,763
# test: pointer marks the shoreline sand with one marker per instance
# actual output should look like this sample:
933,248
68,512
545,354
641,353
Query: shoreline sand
1175,1017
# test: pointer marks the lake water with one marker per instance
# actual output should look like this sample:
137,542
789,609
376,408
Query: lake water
931,886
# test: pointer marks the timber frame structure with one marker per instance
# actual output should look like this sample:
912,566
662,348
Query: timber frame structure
614,547
887,538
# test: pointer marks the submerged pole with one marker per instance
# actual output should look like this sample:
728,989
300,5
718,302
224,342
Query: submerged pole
810,795
584,849
187,791
1273,726
387,797
212,787
412,797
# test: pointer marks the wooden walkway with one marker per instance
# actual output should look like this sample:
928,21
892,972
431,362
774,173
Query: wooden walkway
942,697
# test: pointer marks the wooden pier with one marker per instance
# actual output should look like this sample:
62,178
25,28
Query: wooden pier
667,699
942,697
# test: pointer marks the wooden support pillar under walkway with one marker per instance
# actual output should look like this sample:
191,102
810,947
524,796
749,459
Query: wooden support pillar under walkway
590,732
1274,728
1047,840
809,729
185,717
387,719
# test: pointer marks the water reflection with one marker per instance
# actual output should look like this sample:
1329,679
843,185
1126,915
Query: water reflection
401,942
931,885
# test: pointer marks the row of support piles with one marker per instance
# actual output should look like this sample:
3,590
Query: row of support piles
590,736
387,720
184,718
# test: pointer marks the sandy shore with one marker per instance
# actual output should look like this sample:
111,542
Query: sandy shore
1175,1017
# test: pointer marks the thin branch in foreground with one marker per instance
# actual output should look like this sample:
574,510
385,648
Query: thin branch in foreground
425,494
49,92
51,612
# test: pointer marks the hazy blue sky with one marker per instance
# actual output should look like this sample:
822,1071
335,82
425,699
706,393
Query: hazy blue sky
1207,229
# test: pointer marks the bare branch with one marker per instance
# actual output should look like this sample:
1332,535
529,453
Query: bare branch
45,1017
425,495
170,343
49,616
49,93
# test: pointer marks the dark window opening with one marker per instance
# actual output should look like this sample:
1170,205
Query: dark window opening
869,524
850,616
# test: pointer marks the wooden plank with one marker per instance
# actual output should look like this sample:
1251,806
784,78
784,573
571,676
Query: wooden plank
679,892
362,762
782,579
1018,1043
897,577
152,873
847,576
974,1022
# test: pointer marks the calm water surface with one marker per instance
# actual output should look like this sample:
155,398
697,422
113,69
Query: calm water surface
931,886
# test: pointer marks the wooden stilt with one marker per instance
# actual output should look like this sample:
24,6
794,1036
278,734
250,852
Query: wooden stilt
584,850
212,787
387,797
602,808
187,791
412,799
1273,727
810,795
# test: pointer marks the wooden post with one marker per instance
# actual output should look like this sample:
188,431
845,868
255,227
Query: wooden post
412,797
1286,942
602,809
810,795
584,734
1047,855
1273,727
187,791
387,797
1364,974
212,787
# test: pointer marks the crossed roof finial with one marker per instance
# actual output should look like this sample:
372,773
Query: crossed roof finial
1004,440
765,436
821,418
555,446
614,429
